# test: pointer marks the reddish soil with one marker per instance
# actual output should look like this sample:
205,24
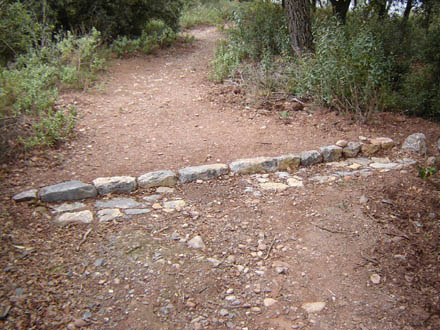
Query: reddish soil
163,112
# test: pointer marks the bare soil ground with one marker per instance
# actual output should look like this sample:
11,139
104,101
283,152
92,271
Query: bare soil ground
319,243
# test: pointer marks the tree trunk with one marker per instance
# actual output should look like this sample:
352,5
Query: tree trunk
409,5
340,9
300,29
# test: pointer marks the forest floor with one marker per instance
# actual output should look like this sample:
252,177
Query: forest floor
363,251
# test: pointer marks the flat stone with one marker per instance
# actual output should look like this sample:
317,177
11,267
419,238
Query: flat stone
293,182
380,160
337,164
354,166
267,302
385,165
273,186
288,162
313,307
120,203
416,143
136,211
68,207
310,157
196,243
351,150
72,217
26,196
254,165
117,184
384,142
203,172
283,175
360,161
323,178
165,190
157,179
151,198
175,205
108,214
67,191
331,153
369,149
344,173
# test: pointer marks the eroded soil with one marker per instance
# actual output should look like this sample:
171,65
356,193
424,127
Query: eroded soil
319,243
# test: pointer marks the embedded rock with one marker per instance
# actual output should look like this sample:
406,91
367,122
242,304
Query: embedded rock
69,217
121,203
196,243
68,207
118,184
136,211
26,196
175,205
384,142
313,307
352,149
157,179
370,149
67,191
108,214
288,162
203,172
331,153
254,165
310,157
276,186
416,143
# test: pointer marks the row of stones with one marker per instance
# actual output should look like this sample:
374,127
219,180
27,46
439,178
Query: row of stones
77,190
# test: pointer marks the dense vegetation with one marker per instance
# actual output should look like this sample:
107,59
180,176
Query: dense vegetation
375,59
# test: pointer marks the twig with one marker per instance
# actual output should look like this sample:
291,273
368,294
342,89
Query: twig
373,261
270,249
83,239
163,229
397,235
296,100
333,231
264,142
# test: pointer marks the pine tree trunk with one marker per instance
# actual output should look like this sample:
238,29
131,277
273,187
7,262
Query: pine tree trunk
298,13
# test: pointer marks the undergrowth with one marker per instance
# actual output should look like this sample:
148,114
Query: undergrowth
206,12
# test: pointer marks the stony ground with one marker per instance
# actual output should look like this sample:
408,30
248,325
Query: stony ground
340,252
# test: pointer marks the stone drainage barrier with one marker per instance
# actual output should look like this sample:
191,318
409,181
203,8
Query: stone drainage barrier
77,190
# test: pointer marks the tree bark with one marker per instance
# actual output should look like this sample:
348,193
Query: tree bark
300,29
340,9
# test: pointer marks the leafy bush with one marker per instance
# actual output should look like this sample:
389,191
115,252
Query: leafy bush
209,12
347,72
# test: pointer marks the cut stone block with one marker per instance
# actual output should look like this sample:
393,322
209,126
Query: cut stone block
352,149
331,153
157,179
310,157
67,191
254,165
203,172
118,184
288,162
26,196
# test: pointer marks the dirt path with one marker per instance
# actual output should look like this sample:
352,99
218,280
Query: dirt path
356,261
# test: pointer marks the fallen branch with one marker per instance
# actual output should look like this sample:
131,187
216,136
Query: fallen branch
83,239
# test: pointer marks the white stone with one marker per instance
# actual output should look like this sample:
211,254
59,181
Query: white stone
108,214
68,207
175,205
389,166
375,278
416,143
313,307
276,186
69,217
196,243
267,302
293,182
214,261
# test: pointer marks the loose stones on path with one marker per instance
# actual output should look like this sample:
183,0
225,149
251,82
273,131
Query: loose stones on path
67,191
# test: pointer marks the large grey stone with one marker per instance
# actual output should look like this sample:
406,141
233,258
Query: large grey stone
157,179
203,172
331,153
25,196
352,149
254,165
120,203
67,191
69,217
288,162
310,157
118,184
416,143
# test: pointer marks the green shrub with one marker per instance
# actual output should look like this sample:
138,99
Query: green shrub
348,72
199,12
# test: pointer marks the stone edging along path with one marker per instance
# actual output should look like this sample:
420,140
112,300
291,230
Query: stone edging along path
77,190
